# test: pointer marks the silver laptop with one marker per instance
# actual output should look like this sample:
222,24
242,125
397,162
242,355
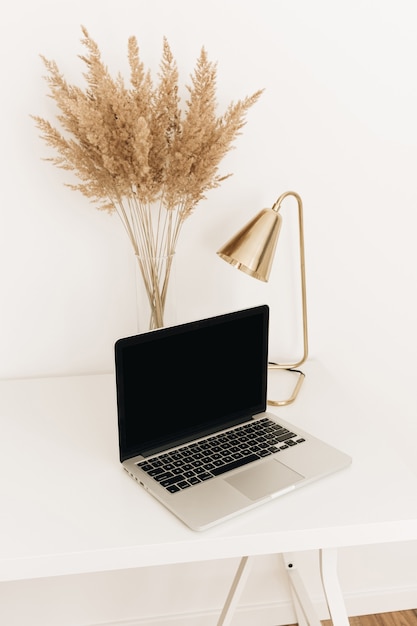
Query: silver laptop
193,430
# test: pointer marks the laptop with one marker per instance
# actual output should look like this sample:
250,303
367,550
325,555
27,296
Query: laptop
192,420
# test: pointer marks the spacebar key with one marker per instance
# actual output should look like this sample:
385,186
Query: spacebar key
234,464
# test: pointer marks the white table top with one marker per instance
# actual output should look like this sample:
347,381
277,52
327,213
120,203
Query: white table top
67,506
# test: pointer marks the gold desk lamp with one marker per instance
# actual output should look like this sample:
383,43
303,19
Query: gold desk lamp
252,251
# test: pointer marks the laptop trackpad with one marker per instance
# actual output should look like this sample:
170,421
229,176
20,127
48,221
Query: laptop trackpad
264,479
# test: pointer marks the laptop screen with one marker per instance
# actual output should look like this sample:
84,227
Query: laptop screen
181,382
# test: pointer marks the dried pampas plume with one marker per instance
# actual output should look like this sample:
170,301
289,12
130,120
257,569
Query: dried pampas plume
133,150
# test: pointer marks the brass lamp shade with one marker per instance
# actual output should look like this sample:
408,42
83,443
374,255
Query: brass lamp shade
252,249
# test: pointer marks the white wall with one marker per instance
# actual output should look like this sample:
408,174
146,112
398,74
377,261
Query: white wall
337,123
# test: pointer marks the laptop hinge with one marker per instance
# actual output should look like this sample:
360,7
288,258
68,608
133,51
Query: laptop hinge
186,438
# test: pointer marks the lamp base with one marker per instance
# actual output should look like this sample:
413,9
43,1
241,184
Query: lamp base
300,379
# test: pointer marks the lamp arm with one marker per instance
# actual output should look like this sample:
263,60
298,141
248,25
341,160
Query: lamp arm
276,207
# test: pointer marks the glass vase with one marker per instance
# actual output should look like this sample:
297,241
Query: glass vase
155,291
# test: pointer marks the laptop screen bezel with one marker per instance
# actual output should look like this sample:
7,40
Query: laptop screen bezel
127,451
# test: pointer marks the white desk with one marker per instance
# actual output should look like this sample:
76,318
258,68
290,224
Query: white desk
67,507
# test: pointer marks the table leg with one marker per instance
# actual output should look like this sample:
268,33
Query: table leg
330,580
235,591
304,609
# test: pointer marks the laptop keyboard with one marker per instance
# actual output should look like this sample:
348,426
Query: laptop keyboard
200,461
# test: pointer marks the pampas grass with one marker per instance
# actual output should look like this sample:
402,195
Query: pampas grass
135,152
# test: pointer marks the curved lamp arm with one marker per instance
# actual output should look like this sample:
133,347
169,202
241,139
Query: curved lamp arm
276,207
291,366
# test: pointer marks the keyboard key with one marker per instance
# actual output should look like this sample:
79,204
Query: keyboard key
194,480
234,464
163,476
205,476
155,471
264,452
171,481
145,466
184,484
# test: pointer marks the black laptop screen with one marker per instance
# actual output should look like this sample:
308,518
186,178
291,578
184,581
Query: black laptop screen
176,383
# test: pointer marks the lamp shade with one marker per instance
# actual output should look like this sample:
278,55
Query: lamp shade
252,249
